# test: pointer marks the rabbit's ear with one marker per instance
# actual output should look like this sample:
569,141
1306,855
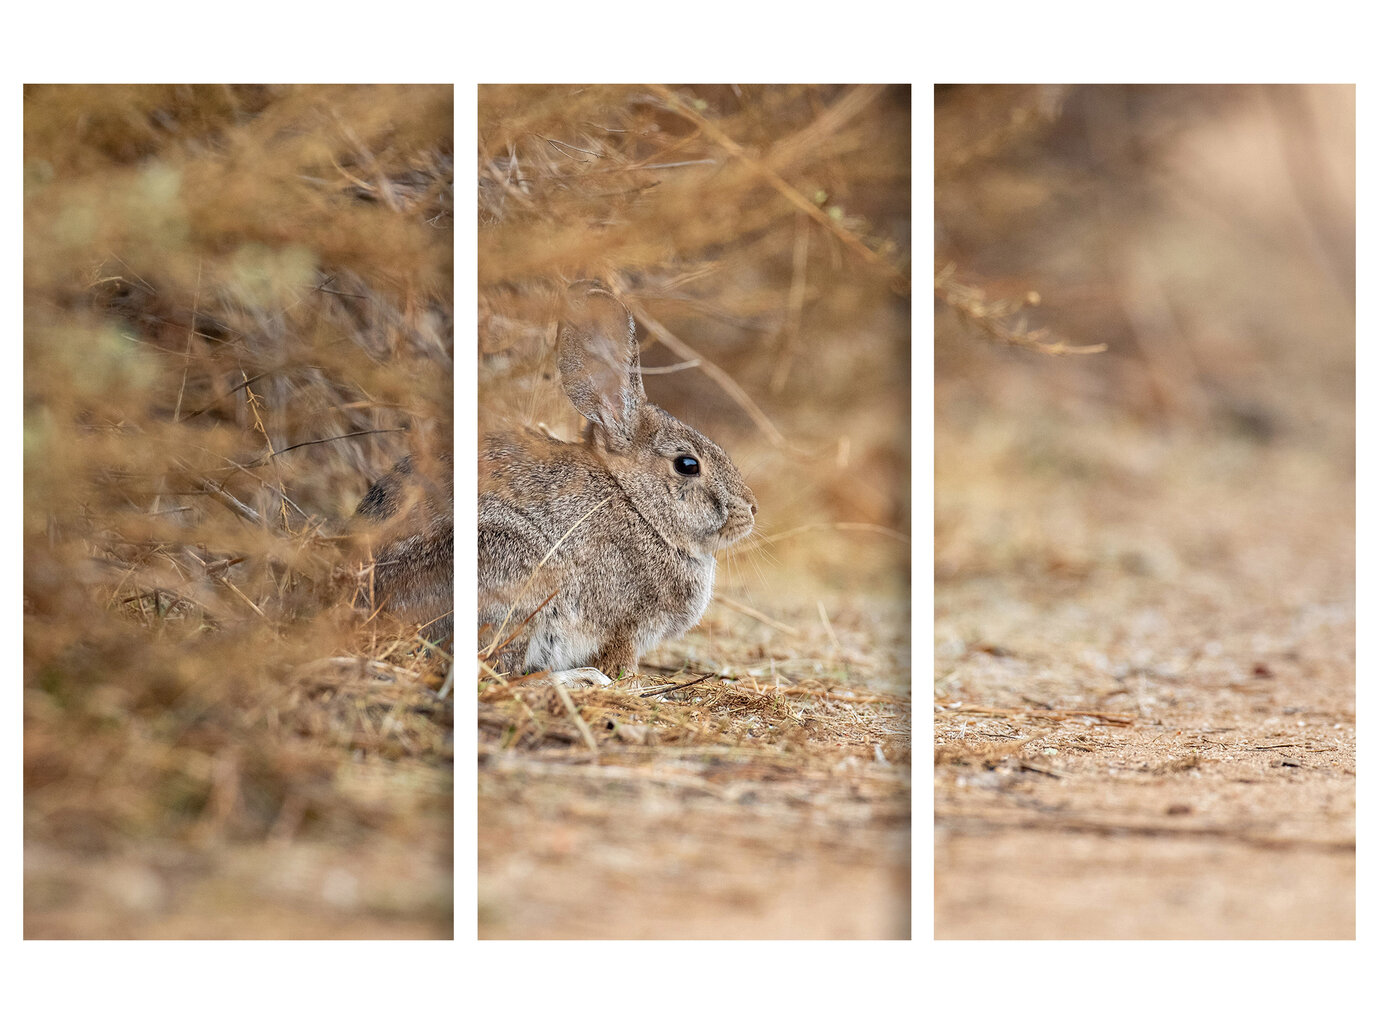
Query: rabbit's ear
599,367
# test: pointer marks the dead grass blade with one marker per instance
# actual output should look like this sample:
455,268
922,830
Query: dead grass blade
1109,717
898,277
575,716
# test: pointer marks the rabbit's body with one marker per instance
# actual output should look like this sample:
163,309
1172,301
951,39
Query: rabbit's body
627,520
410,516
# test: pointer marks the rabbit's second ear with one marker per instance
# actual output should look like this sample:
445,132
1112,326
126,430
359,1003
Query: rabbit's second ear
599,368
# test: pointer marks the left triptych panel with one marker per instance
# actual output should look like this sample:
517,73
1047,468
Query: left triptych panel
238,511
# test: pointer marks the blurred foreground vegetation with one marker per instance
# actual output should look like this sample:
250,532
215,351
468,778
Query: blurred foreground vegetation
237,314
1203,235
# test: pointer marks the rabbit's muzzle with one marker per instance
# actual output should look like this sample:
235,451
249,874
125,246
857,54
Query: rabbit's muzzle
739,523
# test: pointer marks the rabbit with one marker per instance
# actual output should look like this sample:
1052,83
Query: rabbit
409,518
617,530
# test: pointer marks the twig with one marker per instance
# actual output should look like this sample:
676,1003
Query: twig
243,597
579,721
325,440
659,691
1050,823
523,625
715,373
991,316
828,627
847,698
486,669
227,499
790,338
530,579
1109,717
885,531
652,371
1030,766
754,614
187,356
788,191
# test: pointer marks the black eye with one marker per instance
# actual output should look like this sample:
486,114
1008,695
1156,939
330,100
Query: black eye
686,465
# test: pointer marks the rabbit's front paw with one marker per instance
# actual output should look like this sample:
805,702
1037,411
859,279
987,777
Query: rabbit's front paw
574,677
618,659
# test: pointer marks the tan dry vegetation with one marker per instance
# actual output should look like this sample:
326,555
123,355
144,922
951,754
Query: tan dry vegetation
760,235
237,314
1145,577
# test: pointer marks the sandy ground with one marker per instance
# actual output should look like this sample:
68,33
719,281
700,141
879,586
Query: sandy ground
389,890
733,849
771,804
396,882
1145,703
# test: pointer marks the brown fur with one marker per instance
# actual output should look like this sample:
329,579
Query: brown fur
409,515
628,540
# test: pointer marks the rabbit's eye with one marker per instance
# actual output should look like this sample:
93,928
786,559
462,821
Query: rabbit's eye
686,465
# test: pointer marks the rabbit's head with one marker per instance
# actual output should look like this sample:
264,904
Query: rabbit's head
682,484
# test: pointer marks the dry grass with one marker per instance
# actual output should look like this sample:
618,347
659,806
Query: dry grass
237,314
721,718
759,770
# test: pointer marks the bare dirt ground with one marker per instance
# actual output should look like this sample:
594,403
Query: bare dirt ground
1145,704
771,800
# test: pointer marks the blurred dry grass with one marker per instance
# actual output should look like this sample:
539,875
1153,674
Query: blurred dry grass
237,314
761,237
1205,235
1152,546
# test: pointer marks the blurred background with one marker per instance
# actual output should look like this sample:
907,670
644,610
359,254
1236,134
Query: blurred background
237,314
1204,235
1144,492
761,237
1199,243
